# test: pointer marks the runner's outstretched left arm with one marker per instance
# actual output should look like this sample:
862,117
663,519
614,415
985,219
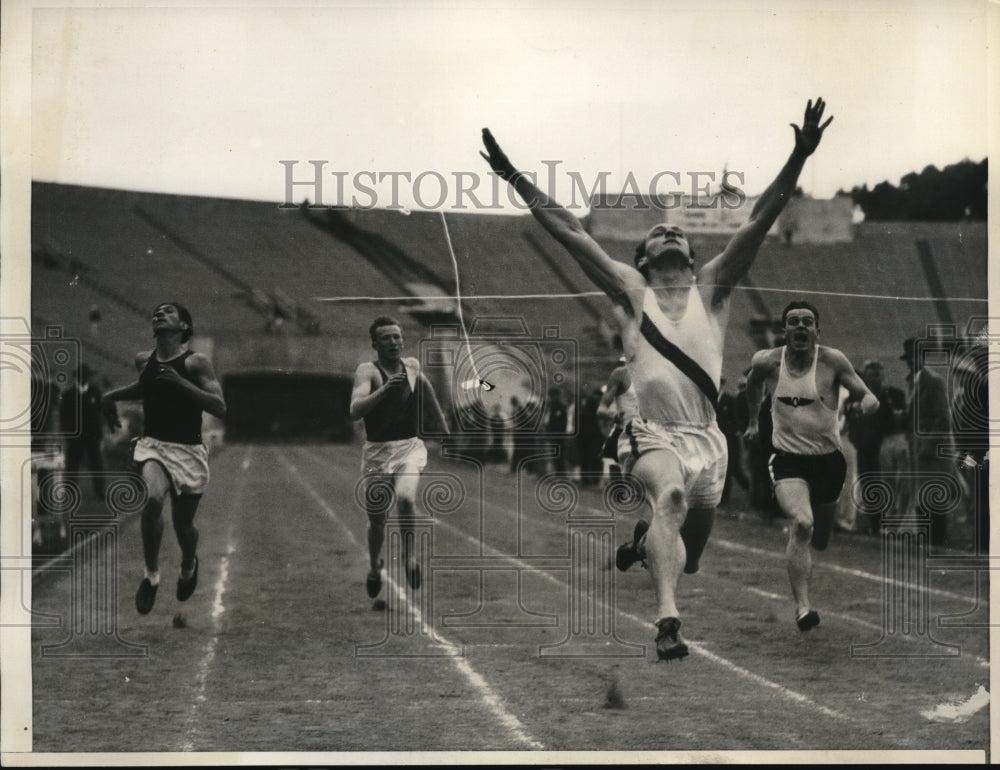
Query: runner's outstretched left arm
725,270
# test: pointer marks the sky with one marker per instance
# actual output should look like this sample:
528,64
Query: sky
210,100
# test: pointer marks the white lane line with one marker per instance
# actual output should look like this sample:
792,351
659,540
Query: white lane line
764,682
786,599
694,646
220,585
842,570
983,662
961,711
218,608
208,657
490,699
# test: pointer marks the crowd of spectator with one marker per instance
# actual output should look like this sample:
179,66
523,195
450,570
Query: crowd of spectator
932,426
929,428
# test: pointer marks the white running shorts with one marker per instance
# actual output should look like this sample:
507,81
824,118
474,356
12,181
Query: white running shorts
186,464
389,457
701,451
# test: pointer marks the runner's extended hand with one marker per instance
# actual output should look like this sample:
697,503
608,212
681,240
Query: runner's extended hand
808,136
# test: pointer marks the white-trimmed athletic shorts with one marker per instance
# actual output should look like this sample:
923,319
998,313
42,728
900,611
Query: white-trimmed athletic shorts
408,455
186,464
701,450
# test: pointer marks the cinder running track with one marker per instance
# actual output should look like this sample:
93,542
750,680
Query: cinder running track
520,639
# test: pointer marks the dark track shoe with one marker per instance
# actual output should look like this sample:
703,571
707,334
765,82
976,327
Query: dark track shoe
669,645
808,621
186,586
145,597
373,583
628,553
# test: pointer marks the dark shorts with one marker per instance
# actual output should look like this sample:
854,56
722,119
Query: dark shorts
824,474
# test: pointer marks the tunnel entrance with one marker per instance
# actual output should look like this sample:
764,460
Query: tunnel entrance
288,406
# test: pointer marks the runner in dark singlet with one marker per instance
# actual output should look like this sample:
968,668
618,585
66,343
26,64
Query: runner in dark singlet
388,394
175,386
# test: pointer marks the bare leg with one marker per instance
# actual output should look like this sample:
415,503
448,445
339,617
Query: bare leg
183,508
406,493
825,514
694,532
376,537
659,471
379,497
157,487
793,497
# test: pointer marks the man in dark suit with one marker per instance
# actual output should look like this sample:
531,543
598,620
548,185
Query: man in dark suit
929,420
556,423
81,420
876,435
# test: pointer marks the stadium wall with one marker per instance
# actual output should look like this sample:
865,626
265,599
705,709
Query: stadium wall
804,220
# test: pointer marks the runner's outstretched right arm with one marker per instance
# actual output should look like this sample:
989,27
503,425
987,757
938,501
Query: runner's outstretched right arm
613,278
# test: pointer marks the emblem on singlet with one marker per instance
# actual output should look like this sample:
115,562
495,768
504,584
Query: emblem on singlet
795,401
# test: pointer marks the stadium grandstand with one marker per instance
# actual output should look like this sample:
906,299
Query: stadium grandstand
291,291
523,635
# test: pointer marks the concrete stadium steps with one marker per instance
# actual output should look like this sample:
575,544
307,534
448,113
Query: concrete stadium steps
959,250
271,248
498,256
882,262
510,255
122,252
59,300
101,357
495,254
241,243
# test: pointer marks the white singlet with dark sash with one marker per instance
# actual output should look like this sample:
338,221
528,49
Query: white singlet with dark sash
676,370
667,394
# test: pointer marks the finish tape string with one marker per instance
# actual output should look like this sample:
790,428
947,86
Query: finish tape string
410,297
458,299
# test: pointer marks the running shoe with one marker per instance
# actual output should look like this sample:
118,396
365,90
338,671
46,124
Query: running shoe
186,586
629,553
669,645
808,620
373,583
145,596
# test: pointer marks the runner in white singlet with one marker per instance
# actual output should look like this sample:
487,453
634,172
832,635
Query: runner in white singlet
807,467
672,320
